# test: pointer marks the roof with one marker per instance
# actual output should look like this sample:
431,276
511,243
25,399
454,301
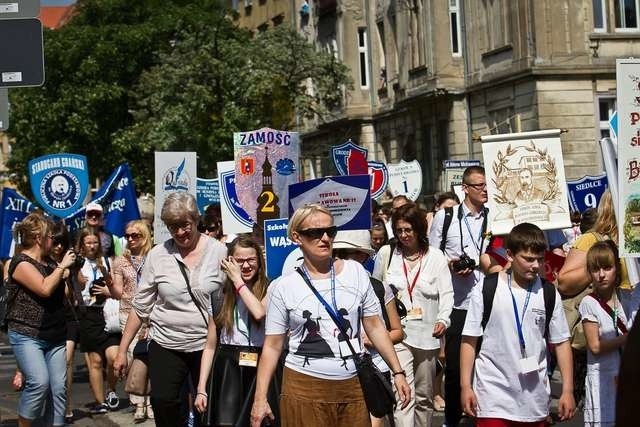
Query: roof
54,17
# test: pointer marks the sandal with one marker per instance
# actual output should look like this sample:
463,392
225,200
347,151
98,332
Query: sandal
140,414
150,412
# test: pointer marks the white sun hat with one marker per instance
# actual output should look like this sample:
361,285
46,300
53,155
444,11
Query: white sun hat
358,240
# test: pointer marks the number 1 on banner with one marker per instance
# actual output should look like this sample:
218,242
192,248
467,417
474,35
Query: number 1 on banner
404,183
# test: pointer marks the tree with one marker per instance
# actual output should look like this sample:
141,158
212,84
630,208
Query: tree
125,79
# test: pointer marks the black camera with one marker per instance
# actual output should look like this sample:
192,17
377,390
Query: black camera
463,263
79,261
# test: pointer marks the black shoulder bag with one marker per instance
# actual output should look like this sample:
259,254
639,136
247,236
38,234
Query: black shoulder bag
377,391
186,279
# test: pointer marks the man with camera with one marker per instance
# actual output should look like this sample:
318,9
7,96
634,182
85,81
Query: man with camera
461,233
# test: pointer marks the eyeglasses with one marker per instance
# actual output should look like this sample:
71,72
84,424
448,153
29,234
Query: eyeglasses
317,233
185,226
134,236
407,230
478,186
250,261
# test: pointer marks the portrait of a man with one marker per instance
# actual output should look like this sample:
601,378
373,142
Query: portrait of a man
59,187
527,193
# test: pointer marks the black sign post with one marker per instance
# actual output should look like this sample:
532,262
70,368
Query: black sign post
21,53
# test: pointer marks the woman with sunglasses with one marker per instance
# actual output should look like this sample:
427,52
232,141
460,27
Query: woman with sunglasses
241,321
36,321
320,384
127,270
423,280
173,295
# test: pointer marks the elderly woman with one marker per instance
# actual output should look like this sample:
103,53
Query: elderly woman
423,280
320,384
173,295
36,320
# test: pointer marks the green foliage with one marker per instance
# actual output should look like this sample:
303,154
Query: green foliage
125,79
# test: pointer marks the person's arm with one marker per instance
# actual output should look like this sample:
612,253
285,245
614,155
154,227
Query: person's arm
130,331
271,350
205,366
467,359
489,265
573,277
381,263
445,298
566,403
117,282
595,344
395,327
377,333
28,276
232,269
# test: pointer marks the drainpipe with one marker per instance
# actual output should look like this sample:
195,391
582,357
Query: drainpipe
372,79
465,55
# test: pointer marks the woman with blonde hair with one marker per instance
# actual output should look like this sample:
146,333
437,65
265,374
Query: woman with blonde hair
127,270
36,320
320,386
241,323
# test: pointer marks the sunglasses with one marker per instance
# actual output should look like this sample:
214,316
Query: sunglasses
317,233
134,236
94,214
208,229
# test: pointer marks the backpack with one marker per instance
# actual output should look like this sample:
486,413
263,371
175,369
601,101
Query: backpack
489,291
378,288
448,216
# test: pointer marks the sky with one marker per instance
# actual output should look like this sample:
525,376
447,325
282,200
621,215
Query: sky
56,2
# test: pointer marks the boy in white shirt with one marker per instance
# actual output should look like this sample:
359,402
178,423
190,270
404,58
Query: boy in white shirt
510,383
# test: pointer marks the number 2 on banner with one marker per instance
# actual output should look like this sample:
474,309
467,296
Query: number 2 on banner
590,200
269,198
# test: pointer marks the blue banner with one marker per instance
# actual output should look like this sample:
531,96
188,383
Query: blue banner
59,182
282,254
207,193
347,197
118,199
586,192
14,208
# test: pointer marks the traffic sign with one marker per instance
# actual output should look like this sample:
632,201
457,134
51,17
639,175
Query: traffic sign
21,53
19,9
4,108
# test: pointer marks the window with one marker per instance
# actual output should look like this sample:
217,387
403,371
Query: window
606,107
498,34
626,12
454,21
364,60
416,34
383,54
234,5
502,120
599,15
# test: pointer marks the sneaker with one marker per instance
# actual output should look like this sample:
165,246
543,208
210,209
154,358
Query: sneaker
191,421
99,408
113,400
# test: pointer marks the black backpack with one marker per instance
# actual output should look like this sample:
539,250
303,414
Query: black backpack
378,288
489,291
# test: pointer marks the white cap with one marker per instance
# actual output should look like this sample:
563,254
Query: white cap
358,240
93,207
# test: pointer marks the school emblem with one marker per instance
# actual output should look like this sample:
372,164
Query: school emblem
350,159
176,178
59,182
230,197
247,166
379,178
405,178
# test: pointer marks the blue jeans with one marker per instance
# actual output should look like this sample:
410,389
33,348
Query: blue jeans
44,369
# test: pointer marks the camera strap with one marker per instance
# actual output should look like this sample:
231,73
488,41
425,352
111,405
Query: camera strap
482,231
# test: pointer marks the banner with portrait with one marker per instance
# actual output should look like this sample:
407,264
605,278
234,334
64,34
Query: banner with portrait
59,182
525,180
174,171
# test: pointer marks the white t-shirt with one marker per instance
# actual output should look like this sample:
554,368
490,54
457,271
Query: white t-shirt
433,294
502,391
313,341
245,331
590,310
91,271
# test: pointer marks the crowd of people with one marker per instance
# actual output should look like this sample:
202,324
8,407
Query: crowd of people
455,319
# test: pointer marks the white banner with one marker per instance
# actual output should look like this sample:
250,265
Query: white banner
235,220
175,171
628,91
525,181
405,178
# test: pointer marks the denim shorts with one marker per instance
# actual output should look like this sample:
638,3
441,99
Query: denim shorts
44,368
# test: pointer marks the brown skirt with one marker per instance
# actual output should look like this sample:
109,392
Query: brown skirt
314,402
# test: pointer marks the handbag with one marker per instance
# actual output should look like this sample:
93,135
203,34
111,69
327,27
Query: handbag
138,378
141,349
377,391
111,312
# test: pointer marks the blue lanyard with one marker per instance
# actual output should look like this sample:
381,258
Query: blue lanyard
515,310
478,243
334,309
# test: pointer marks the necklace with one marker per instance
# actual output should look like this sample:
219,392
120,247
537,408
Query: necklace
412,258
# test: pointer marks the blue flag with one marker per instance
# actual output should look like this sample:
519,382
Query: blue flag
118,199
14,208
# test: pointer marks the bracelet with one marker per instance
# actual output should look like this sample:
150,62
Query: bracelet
238,289
403,373
202,393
